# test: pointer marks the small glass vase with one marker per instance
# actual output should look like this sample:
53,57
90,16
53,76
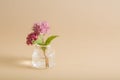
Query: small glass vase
43,57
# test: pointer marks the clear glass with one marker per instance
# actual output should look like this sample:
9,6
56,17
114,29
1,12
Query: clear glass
43,57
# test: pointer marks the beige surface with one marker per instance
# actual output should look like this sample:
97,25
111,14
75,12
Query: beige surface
88,47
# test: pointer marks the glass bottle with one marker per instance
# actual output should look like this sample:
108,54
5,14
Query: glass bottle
43,57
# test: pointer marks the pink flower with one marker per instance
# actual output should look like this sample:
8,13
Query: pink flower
31,37
41,28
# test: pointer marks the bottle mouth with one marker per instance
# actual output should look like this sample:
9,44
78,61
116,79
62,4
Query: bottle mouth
42,45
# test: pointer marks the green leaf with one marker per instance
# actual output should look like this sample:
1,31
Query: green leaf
38,41
49,39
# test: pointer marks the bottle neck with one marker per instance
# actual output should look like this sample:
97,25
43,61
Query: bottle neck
38,46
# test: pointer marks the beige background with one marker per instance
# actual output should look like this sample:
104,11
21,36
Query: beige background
88,47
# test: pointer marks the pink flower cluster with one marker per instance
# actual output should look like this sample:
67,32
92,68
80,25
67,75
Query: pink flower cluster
40,28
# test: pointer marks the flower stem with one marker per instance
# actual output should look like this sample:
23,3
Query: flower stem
44,52
46,59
